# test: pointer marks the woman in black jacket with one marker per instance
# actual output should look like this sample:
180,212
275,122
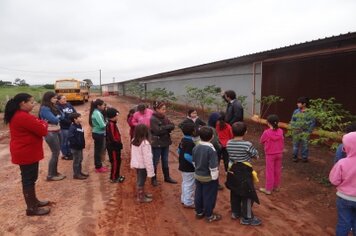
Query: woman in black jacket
161,128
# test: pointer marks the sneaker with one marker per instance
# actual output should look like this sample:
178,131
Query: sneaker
101,170
199,215
253,221
86,175
79,177
55,178
213,217
234,216
265,191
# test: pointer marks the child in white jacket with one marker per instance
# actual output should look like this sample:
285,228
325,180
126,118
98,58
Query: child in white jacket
141,160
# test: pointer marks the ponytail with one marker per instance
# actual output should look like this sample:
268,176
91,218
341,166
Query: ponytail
93,105
13,105
273,121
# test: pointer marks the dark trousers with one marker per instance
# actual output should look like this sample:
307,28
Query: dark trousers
77,161
115,160
224,155
205,197
98,148
160,153
141,177
29,175
241,206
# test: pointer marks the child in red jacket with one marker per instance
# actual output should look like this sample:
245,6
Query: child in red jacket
114,145
273,141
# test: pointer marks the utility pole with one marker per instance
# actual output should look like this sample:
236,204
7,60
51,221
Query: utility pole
101,91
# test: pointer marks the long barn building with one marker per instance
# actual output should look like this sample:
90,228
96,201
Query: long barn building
321,68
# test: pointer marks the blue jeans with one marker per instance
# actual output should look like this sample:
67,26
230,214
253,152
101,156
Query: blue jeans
188,188
53,141
160,153
65,149
346,217
305,150
205,197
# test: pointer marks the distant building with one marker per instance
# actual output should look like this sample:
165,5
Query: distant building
320,68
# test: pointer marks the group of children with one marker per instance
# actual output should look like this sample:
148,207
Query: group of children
199,164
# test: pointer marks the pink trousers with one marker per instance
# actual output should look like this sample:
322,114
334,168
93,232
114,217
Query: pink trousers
273,171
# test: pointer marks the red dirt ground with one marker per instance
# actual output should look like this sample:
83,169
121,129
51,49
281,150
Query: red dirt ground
304,206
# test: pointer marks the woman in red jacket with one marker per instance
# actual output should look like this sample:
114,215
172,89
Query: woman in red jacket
26,149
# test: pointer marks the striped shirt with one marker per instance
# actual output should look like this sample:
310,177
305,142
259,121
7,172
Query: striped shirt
240,150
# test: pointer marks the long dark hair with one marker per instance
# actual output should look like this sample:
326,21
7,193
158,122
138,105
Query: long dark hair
13,105
273,120
141,133
94,105
131,112
46,101
221,119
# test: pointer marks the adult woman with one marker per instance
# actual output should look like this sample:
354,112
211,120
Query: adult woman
98,124
66,109
161,128
26,132
50,113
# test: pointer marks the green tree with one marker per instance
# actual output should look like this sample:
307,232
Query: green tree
266,102
161,94
202,97
48,86
136,89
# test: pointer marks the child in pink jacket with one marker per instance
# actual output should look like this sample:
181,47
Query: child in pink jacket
343,176
141,160
273,141
142,115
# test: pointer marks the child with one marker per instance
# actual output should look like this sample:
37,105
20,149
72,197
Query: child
192,118
205,161
186,167
129,121
141,160
114,145
98,124
302,124
240,177
77,144
273,141
225,134
340,153
343,176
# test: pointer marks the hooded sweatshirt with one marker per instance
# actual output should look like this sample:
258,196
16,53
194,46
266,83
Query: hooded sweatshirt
343,174
273,141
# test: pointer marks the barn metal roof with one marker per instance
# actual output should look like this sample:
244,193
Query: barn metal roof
324,45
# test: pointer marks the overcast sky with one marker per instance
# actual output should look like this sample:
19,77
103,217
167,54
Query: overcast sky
44,40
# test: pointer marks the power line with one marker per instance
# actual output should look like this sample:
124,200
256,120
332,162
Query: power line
46,72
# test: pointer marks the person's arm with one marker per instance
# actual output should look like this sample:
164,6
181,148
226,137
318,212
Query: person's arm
200,122
339,153
213,165
237,112
253,151
264,137
158,128
35,125
99,118
147,158
335,176
46,114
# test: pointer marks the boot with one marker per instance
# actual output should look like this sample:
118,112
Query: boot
154,181
141,196
33,203
167,178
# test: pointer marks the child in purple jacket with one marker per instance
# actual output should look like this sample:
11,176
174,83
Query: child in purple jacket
273,141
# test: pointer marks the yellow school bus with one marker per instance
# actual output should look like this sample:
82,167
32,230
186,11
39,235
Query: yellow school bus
74,90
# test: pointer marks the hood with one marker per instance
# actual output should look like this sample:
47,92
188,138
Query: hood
275,135
349,141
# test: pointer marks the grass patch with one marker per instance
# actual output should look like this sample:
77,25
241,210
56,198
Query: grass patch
9,92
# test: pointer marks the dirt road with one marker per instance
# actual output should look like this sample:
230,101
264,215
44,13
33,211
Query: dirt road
97,207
